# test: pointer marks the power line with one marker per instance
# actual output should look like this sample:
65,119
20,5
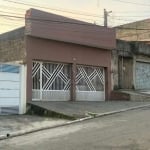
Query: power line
10,13
132,11
18,17
77,13
48,20
122,19
131,16
93,20
23,10
67,22
11,16
55,9
86,19
12,8
141,4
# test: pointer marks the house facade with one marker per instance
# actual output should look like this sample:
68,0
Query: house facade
131,59
65,59
131,66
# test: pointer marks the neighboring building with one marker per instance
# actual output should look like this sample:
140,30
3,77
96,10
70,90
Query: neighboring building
131,66
66,59
131,60
136,31
12,72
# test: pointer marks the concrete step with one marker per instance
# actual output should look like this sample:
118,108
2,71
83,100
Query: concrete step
132,95
41,109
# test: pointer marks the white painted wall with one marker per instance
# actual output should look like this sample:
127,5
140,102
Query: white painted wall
23,77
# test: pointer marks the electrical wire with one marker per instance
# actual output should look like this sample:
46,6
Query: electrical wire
131,16
55,9
11,13
126,12
86,15
128,2
92,20
79,13
47,20
67,22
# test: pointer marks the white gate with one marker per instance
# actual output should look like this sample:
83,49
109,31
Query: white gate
11,100
51,81
90,84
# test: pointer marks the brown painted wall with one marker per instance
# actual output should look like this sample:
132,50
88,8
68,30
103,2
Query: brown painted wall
49,50
51,26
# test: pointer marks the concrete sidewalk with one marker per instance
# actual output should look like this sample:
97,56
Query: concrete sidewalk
13,125
79,110
16,125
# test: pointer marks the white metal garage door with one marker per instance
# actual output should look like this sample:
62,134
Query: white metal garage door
10,86
142,75
90,83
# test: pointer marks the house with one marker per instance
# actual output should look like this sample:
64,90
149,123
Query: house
131,66
131,59
64,59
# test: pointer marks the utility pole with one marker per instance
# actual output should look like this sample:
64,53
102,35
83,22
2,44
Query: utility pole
106,14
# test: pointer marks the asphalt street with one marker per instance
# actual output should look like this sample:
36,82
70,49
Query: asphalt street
124,131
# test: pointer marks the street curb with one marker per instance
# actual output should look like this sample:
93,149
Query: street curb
24,132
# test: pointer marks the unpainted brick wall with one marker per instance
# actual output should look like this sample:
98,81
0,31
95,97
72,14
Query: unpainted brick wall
12,46
135,31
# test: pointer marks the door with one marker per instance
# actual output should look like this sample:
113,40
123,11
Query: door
125,68
51,81
142,75
90,83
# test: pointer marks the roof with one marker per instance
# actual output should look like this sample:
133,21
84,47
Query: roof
51,26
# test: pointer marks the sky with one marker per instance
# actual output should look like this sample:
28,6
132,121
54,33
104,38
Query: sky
122,11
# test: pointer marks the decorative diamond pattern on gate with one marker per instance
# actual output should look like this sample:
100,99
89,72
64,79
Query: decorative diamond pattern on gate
90,79
49,76
35,68
36,75
55,77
